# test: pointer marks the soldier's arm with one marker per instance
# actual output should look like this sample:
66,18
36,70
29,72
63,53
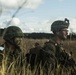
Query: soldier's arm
48,53
50,49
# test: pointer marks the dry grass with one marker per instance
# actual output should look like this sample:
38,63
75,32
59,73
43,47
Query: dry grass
23,70
1,40
69,45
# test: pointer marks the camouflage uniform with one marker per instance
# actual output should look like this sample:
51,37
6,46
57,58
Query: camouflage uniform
54,57
12,48
33,57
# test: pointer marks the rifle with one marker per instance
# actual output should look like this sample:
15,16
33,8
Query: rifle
66,59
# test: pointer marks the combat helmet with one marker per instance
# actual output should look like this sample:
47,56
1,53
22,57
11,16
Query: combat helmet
12,32
59,24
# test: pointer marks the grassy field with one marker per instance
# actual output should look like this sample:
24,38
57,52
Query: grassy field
69,45
27,44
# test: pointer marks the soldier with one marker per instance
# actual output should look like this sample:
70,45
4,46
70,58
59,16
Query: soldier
33,58
54,55
13,36
36,49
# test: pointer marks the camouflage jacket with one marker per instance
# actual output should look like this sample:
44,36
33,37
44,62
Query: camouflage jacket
33,57
11,55
56,60
54,53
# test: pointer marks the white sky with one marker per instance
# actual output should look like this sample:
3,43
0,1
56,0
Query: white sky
37,15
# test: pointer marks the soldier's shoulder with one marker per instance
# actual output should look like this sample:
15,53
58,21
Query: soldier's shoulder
50,42
49,45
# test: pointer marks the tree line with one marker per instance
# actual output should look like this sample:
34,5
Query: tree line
71,36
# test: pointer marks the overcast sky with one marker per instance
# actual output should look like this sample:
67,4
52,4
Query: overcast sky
37,15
